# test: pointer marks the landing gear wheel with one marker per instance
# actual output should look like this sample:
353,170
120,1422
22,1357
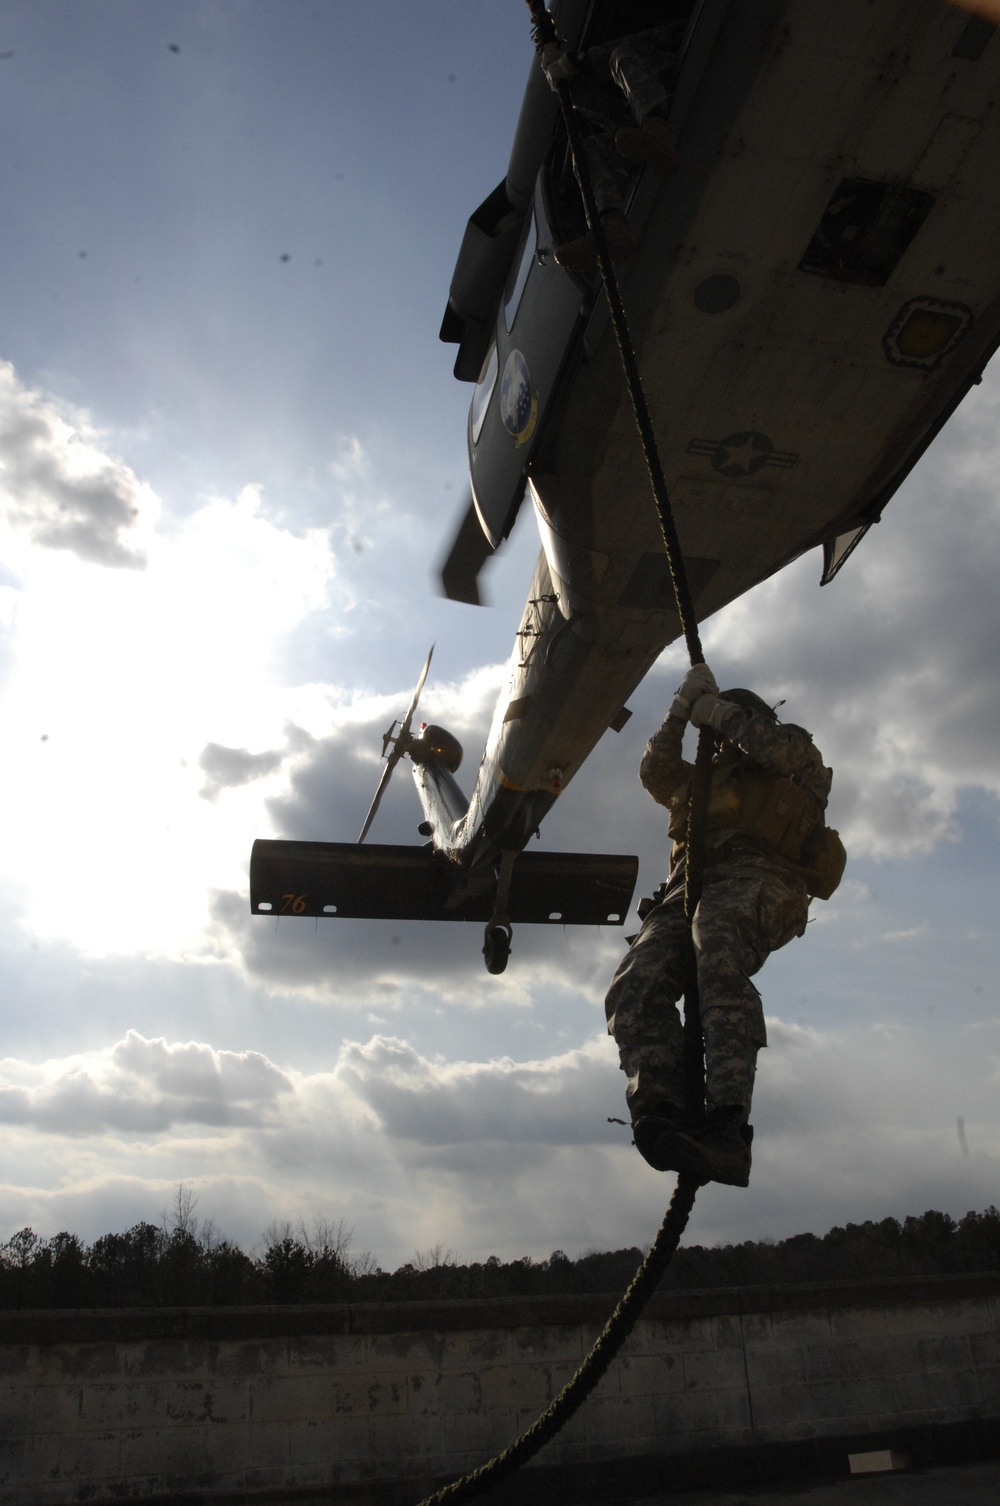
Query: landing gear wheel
496,948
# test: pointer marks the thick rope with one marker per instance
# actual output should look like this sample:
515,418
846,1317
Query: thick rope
544,33
616,1331
650,1272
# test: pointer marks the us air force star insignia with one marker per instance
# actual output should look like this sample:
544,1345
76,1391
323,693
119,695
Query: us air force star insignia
742,454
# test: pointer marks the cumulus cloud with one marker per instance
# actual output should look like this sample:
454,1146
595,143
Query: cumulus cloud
58,486
493,1155
427,1103
227,768
143,1087
401,1145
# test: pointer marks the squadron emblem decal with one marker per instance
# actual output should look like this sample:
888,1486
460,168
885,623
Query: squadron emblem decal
925,331
518,404
742,454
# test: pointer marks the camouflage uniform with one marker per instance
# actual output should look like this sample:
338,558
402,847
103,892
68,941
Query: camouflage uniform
635,64
752,902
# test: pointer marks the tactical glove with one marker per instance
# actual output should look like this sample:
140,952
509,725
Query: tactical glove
709,710
557,65
699,681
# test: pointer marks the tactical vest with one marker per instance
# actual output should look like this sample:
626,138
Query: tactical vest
775,813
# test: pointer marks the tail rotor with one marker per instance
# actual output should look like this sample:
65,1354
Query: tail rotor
393,747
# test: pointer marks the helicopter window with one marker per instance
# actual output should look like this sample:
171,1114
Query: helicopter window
864,231
484,391
563,205
524,260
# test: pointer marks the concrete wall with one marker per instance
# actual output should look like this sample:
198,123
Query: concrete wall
378,1403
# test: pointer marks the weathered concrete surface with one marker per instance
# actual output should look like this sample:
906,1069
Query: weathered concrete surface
966,1485
377,1403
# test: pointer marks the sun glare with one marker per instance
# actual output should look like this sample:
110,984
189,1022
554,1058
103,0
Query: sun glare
119,678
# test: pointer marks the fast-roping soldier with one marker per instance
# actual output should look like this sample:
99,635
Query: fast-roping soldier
767,852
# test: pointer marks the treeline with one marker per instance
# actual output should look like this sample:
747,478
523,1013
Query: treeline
184,1265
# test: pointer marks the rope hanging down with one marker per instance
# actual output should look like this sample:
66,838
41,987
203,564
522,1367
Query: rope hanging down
575,1392
544,35
648,1276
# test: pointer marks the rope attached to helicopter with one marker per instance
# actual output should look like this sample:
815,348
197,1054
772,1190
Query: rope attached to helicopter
648,1276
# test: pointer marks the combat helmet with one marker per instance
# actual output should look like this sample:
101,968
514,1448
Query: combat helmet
749,702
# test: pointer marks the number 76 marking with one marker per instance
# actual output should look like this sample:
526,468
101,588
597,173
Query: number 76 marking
295,903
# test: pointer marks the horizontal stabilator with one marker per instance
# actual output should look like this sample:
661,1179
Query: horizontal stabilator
344,880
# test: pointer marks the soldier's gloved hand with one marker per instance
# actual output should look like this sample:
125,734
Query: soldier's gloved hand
699,681
557,65
709,710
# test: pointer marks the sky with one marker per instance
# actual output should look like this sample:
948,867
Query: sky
231,453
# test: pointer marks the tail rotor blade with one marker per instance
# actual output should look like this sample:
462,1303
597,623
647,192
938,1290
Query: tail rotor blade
405,727
398,745
390,764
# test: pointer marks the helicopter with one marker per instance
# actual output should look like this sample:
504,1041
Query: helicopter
813,292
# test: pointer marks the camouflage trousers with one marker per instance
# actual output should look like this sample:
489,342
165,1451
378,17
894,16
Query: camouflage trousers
635,64
747,910
619,84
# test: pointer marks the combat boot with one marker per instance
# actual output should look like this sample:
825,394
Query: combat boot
649,142
717,1150
664,1120
581,255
